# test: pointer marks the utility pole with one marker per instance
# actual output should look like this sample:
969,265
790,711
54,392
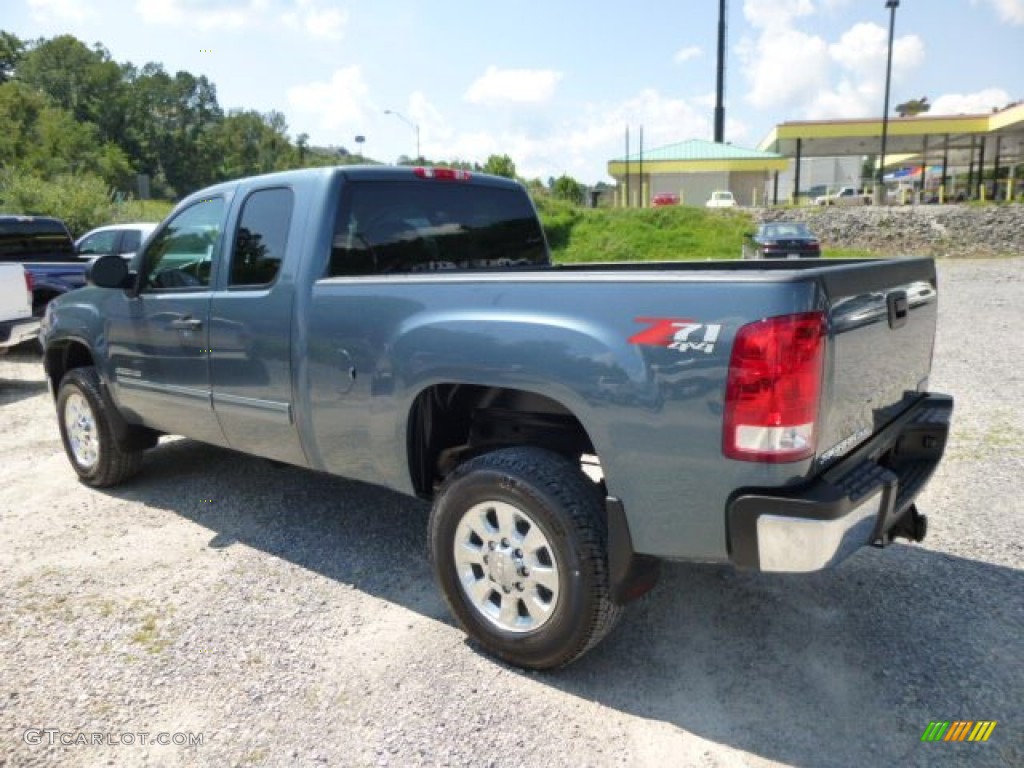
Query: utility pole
720,88
411,124
892,5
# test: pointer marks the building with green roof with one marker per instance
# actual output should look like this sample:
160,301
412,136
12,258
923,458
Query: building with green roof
693,170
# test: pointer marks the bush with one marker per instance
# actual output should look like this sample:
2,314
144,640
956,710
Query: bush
558,218
669,233
82,201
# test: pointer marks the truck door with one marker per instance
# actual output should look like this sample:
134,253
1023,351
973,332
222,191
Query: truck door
159,340
250,331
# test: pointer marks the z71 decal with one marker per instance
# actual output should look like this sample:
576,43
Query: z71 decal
678,333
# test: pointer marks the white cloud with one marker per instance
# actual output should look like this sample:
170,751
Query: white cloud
863,48
685,54
579,146
834,5
1010,11
159,11
583,145
804,74
783,67
513,86
74,11
332,106
980,102
316,21
773,14
202,15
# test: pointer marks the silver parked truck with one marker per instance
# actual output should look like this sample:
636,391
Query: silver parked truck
571,425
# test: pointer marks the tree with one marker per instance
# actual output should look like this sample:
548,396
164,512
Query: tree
247,143
84,82
500,165
913,107
11,51
170,125
46,141
567,188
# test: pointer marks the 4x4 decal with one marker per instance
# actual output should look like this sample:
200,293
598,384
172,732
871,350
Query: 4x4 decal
678,333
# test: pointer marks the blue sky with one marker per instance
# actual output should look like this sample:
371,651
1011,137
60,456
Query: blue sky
553,84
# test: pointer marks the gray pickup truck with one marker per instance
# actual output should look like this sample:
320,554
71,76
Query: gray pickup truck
572,426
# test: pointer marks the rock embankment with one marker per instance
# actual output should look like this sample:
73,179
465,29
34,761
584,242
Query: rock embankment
952,231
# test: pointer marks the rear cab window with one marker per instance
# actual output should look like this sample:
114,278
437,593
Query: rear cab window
28,238
392,226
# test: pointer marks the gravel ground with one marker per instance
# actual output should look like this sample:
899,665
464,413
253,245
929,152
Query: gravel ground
291,618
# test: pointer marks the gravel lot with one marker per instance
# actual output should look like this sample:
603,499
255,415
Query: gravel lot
291,618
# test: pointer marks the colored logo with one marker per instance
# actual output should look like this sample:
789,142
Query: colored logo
958,730
681,334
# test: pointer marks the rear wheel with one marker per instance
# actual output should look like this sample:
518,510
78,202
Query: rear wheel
87,433
518,541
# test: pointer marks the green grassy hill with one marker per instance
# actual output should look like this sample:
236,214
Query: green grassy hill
670,233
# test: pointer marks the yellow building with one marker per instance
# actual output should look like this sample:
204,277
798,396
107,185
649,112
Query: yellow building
692,170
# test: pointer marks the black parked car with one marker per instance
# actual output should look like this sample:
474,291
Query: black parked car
781,240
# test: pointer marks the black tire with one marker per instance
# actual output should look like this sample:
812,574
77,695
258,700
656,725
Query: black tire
546,490
83,414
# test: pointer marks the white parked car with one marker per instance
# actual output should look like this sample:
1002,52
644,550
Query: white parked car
122,239
721,199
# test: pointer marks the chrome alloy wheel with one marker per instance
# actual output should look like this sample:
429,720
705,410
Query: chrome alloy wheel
506,566
80,423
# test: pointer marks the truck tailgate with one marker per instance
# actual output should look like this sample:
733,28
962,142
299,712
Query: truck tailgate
882,329
15,301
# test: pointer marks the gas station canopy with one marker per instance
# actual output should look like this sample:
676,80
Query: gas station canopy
994,140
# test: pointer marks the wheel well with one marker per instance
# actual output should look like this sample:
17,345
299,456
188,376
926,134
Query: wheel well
450,423
64,357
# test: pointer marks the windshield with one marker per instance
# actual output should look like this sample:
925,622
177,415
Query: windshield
26,239
780,230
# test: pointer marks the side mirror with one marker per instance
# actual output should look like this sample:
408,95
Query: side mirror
108,271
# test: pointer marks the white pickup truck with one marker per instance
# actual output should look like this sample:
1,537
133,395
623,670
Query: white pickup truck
844,196
16,321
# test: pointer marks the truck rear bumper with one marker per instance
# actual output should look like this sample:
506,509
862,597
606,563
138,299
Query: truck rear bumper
865,498
16,331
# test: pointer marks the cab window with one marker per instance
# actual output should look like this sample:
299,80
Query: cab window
182,255
261,238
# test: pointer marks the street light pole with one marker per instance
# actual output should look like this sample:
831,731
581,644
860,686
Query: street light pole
892,5
411,124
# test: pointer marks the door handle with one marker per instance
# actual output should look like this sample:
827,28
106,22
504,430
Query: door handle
186,324
898,307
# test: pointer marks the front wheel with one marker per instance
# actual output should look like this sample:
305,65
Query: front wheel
87,433
518,542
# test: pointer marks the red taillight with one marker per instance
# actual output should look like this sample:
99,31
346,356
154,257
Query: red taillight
443,174
28,281
774,388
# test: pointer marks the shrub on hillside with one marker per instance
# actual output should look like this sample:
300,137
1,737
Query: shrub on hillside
558,218
82,201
